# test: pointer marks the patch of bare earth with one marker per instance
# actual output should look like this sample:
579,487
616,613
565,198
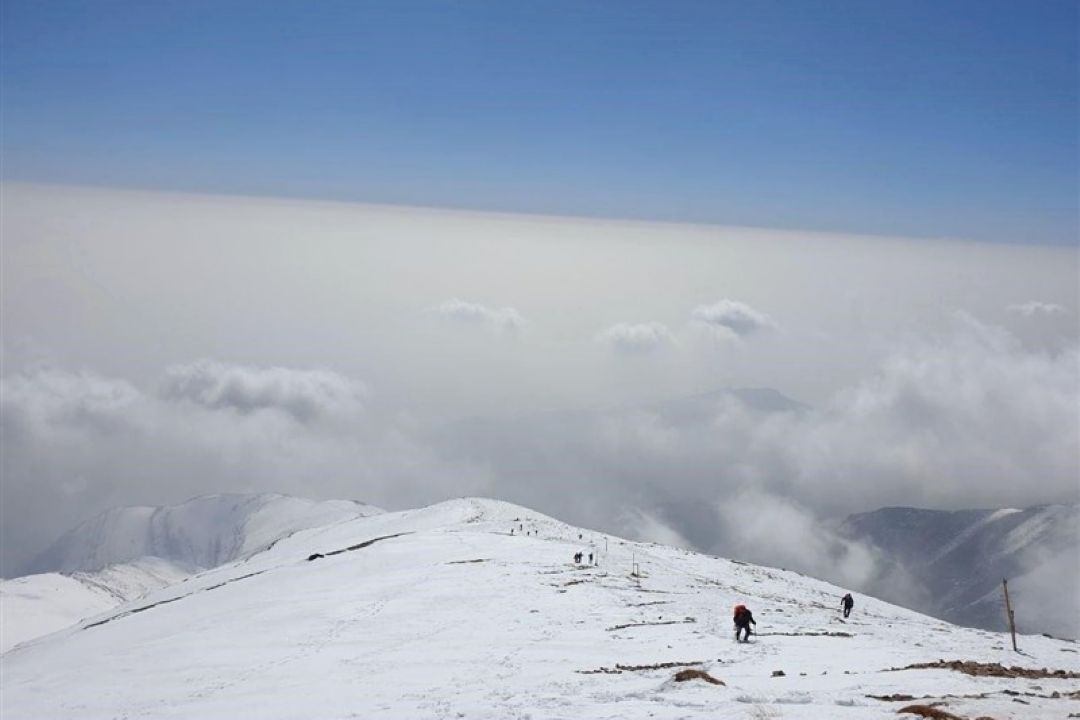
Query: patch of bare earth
695,674
929,711
618,669
684,621
821,633
977,669
1015,694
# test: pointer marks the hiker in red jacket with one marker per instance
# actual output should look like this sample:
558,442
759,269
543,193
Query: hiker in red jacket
743,620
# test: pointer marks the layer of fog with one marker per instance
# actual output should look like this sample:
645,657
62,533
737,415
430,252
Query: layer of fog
158,347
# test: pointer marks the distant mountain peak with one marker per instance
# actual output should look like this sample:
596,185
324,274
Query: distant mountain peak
202,532
701,407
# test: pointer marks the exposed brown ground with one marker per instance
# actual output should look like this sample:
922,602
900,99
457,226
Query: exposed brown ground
694,674
978,669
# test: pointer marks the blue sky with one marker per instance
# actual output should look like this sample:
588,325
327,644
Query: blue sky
954,119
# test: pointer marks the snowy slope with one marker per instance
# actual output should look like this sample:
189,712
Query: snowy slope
201,533
124,553
961,556
36,605
443,613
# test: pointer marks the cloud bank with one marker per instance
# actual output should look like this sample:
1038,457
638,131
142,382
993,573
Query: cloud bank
1034,307
972,408
940,422
637,338
505,319
348,388
305,395
76,443
732,318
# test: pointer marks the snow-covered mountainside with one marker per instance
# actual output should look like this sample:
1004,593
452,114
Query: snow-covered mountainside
960,558
126,552
474,608
36,605
201,533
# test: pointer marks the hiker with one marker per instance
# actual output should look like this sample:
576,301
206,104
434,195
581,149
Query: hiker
577,558
847,602
590,559
511,531
743,619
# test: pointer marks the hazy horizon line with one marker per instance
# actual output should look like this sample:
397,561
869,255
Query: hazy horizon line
477,212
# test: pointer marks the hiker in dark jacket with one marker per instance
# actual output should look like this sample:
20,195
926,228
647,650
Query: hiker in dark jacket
743,620
847,602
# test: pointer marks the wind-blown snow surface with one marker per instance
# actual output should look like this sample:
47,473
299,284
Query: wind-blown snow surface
36,605
442,613
201,533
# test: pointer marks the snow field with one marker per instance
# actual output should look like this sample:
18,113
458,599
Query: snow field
454,617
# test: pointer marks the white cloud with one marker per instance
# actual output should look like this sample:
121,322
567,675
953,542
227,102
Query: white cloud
47,399
506,319
636,338
732,318
762,527
1035,307
973,412
303,394
960,417
968,418
1048,595
646,527
78,443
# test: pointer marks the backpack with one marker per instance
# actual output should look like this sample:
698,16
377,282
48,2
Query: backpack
739,610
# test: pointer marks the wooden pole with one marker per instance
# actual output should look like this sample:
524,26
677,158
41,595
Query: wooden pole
1009,613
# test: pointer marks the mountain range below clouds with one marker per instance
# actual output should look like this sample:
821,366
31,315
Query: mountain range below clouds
938,374
203,532
615,318
960,557
954,560
475,608
127,552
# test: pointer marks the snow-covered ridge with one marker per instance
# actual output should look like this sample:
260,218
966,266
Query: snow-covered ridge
474,608
201,533
36,605
126,552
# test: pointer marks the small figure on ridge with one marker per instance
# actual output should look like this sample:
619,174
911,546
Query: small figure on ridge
743,619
